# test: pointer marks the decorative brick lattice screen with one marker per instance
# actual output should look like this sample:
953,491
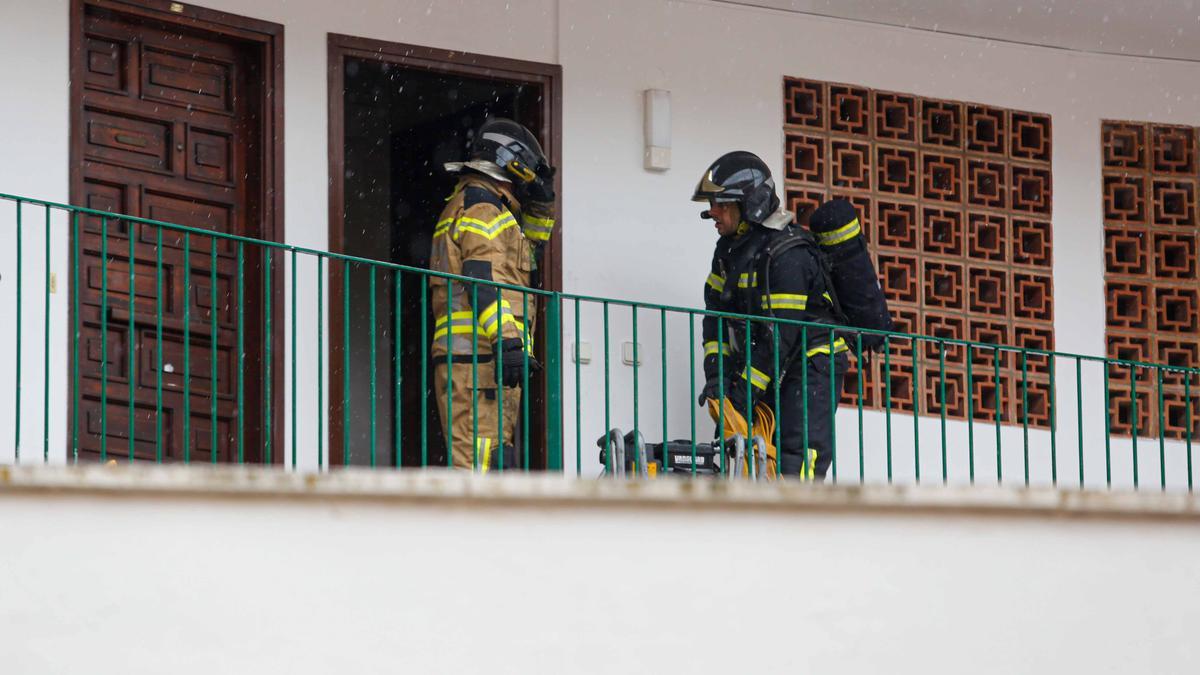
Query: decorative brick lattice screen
1152,285
955,202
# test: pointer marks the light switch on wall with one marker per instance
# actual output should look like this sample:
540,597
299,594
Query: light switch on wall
627,353
583,352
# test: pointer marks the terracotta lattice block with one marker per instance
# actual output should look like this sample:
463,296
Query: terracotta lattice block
804,103
989,332
987,236
1124,198
941,177
949,326
987,131
1030,136
897,385
941,123
989,395
896,225
1127,305
907,320
1031,242
851,164
1181,414
895,116
955,392
1126,250
987,291
1037,393
1173,149
1127,348
899,277
802,201
986,184
896,170
1033,296
1174,255
1124,145
1032,336
1174,203
942,232
1178,353
1175,310
1122,407
1031,190
943,285
870,385
849,109
805,158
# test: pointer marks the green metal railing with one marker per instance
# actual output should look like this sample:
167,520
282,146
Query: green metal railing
654,400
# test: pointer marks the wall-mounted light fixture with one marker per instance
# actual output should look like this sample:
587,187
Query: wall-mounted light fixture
656,113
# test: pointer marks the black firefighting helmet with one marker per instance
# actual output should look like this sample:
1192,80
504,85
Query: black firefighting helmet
514,150
740,177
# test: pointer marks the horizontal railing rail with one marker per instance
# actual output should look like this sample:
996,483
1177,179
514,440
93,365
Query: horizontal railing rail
228,336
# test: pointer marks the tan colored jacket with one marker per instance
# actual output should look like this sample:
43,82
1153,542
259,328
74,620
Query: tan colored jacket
493,230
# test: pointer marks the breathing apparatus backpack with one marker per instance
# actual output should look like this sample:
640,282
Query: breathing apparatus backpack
858,300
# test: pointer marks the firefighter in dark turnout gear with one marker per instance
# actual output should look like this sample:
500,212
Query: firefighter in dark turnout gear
748,277
492,229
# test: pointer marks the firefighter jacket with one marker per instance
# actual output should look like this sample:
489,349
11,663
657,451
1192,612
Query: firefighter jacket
483,233
738,283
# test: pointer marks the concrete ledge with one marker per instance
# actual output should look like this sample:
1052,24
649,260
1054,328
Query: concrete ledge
447,488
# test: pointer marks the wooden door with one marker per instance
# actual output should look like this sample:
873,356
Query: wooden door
168,126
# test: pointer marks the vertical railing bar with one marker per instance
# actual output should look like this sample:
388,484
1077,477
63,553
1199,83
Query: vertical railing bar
834,396
999,399
187,347
212,321
241,352
970,356
1025,411
294,293
887,400
1162,437
578,414
1053,422
425,370
1079,411
942,384
320,362
526,345
345,363
397,372
46,352
158,326
858,360
721,393
916,394
806,469
131,341
449,373
608,449
663,348
17,363
749,404
267,254
777,381
103,337
692,385
372,380
497,362
1187,407
77,322
633,309
1107,426
1133,420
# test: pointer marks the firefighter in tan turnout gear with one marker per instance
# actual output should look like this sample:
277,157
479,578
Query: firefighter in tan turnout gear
494,225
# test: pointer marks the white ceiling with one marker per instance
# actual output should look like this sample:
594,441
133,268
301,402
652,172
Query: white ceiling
1159,28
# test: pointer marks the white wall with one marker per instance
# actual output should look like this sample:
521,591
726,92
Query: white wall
628,232
296,578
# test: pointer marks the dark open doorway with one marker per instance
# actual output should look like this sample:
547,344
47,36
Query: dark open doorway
398,114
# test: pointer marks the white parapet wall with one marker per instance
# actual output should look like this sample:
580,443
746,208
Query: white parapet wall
198,570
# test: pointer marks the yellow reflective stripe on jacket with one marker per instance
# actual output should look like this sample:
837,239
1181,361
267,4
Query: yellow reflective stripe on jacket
839,345
797,301
489,321
443,227
748,279
483,453
843,233
537,229
488,230
758,378
712,348
717,282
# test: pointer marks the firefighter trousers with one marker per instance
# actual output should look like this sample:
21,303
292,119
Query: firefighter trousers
474,416
822,397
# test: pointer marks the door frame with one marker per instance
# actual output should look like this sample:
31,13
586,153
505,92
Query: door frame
449,62
268,37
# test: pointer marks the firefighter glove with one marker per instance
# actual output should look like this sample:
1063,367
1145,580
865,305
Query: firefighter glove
511,361
541,189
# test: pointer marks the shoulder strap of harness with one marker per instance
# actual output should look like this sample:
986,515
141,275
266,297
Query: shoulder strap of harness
473,194
796,238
